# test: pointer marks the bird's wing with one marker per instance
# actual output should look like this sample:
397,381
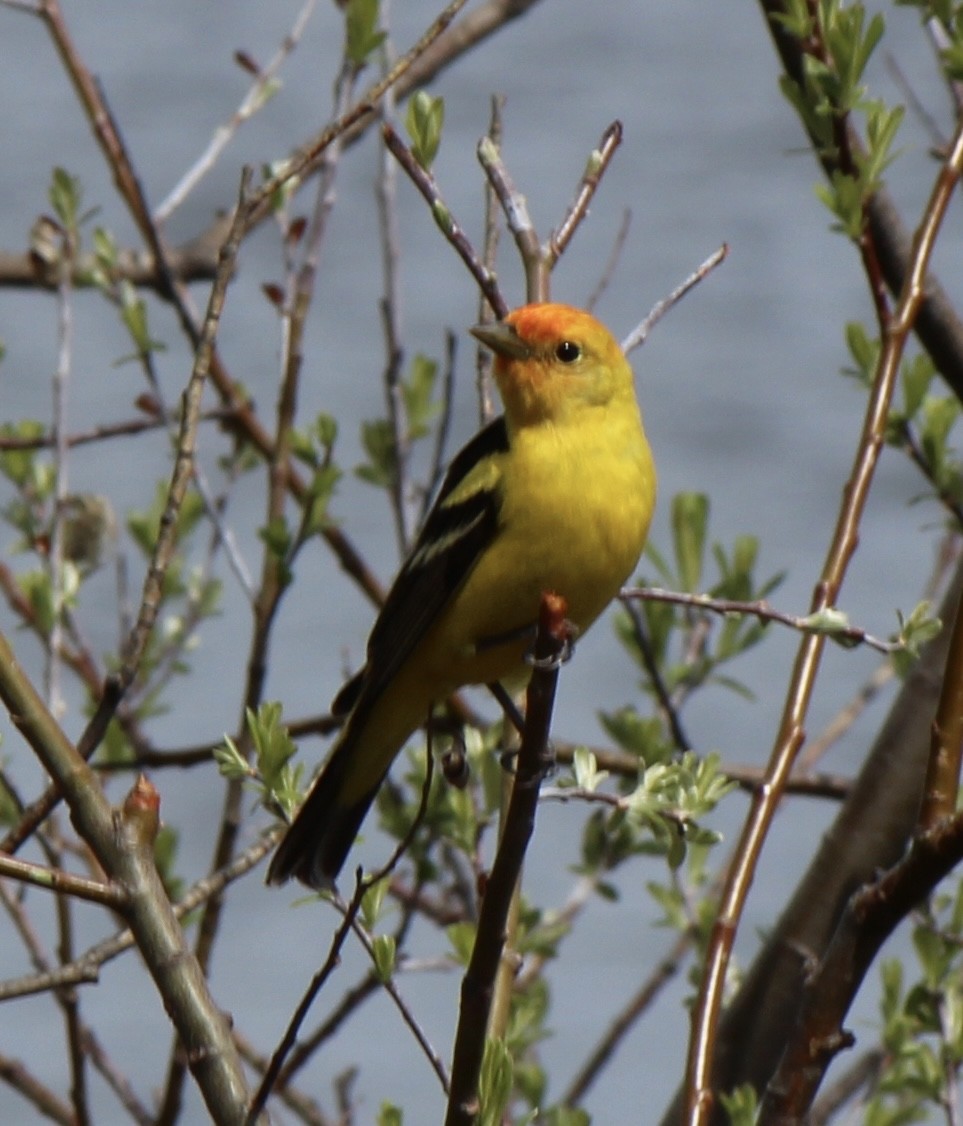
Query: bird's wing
462,523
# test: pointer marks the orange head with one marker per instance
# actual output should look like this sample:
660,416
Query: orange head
551,359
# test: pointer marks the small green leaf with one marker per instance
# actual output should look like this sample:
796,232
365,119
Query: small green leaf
230,762
829,621
741,1105
417,391
690,514
320,492
66,195
462,939
379,443
585,766
383,950
917,375
389,1115
361,30
371,902
494,1083
424,121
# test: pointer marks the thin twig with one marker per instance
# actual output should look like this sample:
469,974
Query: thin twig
270,1077
63,883
515,208
254,100
670,711
638,335
305,159
608,270
827,622
626,1018
447,224
595,167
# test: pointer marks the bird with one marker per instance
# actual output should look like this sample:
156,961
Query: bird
554,495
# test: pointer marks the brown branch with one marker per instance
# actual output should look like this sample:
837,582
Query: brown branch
699,1095
18,1078
305,159
870,918
192,261
946,742
63,883
626,1018
447,224
515,209
595,167
479,980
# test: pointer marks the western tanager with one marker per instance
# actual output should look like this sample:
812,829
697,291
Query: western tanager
555,495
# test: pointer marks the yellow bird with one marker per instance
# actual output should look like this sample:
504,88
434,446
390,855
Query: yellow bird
555,495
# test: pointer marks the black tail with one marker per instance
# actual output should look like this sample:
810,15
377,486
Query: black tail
320,837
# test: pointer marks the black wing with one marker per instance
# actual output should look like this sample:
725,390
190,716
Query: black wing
454,535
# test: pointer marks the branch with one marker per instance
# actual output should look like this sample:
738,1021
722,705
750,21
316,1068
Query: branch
447,224
870,918
699,1097
828,622
478,983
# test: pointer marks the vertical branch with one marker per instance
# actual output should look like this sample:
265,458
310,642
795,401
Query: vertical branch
595,167
447,224
483,376
519,221
946,739
698,1092
478,983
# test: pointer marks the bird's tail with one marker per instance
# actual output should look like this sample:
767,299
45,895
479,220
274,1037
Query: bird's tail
317,842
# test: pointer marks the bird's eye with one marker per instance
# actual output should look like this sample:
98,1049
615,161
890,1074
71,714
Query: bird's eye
567,352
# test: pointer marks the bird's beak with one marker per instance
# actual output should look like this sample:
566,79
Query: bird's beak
502,339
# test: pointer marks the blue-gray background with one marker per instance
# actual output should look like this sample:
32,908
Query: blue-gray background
740,387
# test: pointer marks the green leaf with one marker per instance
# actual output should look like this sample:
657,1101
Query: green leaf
389,1115
372,901
165,854
462,939
864,350
424,121
639,735
379,444
417,391
690,514
361,30
66,195
18,465
917,375
320,491
230,762
741,1105
585,766
274,749
494,1083
383,949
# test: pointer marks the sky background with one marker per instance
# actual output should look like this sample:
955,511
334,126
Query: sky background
740,386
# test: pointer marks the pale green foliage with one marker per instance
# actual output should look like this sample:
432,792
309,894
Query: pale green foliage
377,435
276,779
362,35
424,121
740,1105
495,1084
922,1021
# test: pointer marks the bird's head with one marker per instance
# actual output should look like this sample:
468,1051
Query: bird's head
551,360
